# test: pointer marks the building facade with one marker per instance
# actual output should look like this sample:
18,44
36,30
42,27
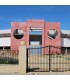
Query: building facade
37,33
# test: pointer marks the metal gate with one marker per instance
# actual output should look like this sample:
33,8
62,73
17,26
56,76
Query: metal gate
46,62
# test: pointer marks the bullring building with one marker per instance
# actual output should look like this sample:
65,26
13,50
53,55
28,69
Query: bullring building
35,33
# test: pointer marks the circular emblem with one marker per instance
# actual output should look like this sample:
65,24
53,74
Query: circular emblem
18,33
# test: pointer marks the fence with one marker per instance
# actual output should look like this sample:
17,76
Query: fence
51,60
12,63
8,57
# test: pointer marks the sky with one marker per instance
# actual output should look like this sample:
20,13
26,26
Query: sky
50,13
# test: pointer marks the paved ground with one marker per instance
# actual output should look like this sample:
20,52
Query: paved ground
39,73
48,73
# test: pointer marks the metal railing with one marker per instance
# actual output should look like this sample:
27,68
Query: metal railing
51,60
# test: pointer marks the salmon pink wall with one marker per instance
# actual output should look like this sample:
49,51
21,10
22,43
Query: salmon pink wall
16,42
52,42
46,26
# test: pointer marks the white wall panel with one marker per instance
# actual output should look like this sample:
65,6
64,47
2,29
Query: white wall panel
65,42
5,41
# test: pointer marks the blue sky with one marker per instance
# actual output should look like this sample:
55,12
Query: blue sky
21,13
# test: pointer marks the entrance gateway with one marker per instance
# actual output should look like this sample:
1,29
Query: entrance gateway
35,40
50,60
39,62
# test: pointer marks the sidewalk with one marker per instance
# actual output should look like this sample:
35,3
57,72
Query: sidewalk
48,73
39,73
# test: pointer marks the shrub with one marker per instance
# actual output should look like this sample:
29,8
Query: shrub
6,60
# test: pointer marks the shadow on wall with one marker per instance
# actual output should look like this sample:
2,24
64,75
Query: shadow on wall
62,42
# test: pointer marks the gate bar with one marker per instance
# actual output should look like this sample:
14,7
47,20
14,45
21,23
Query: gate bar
27,60
49,59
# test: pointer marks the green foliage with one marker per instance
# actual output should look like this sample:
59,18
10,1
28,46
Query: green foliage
6,60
